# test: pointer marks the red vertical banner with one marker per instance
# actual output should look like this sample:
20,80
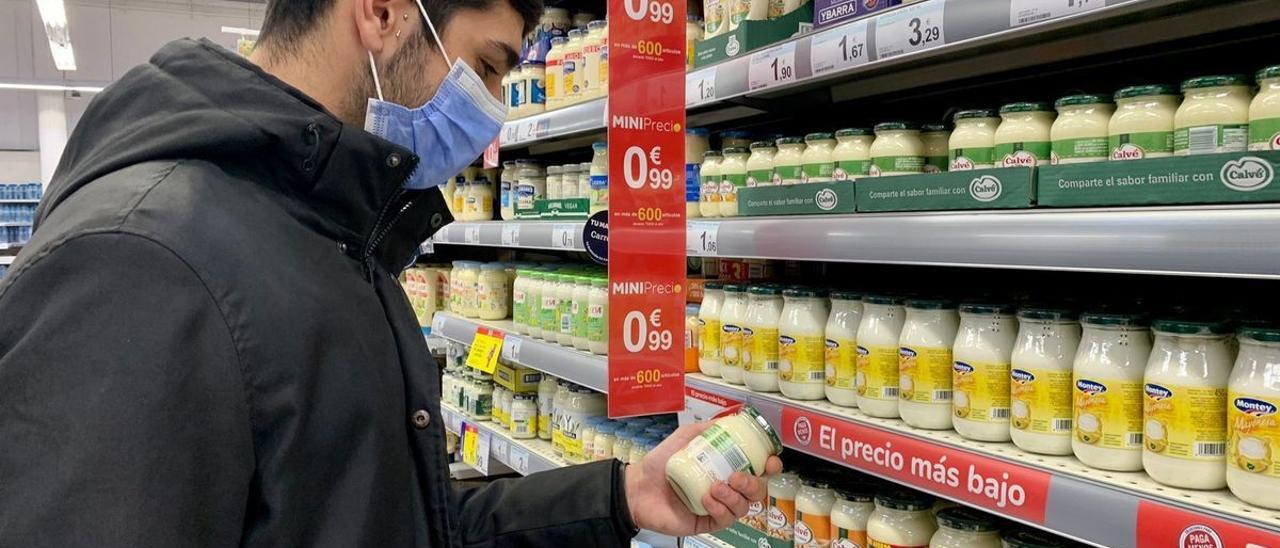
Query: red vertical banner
646,206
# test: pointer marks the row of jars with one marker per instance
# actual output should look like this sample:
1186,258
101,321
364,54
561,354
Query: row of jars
524,181
725,16
427,288
575,69
481,290
1196,408
567,307
470,195
819,507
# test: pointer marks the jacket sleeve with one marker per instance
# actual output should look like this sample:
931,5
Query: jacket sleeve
582,505
122,406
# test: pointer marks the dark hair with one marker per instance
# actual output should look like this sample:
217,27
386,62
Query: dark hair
288,21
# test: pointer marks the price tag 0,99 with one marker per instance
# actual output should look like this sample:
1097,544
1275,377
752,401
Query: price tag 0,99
701,239
562,236
841,48
910,29
700,87
772,67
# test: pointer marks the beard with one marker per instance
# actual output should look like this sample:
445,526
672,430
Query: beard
401,78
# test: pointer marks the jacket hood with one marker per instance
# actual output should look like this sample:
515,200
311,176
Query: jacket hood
194,100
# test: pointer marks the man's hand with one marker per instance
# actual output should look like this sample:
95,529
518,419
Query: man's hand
655,507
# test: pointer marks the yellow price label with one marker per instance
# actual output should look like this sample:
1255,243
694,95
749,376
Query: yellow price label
485,348
470,445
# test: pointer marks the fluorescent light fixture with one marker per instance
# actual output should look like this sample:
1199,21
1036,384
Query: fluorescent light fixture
240,30
54,13
50,87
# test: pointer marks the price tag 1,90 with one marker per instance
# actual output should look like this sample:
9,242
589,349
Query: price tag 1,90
700,87
511,235
840,48
563,236
772,67
910,29
701,239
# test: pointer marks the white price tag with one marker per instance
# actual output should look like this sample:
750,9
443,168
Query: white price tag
437,324
454,423
564,236
772,67
518,459
910,29
840,48
700,87
499,445
442,235
483,441
510,349
1025,12
701,239
526,131
511,235
471,234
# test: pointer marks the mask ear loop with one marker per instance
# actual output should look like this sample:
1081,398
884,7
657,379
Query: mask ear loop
373,67
433,31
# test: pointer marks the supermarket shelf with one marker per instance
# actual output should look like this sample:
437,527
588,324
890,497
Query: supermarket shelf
1094,506
524,456
582,368
564,122
557,235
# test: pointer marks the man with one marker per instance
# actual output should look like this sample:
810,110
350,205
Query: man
204,344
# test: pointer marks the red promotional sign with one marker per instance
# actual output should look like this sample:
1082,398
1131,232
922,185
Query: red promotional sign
1164,526
491,153
998,486
646,206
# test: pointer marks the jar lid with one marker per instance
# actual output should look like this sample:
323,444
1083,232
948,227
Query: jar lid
576,33
814,481
736,150
698,131
526,396
735,134
1145,91
790,141
975,113
892,126
1083,99
734,288
569,168
882,299
1044,312
1216,81
966,519
857,492
710,154
1028,538
556,170
904,499
1184,326
801,291
764,289
933,128
527,163
490,267
930,304
818,136
712,284
761,144
558,40
774,442
853,131
1031,106
1272,71
1261,332
845,295
597,24
1117,319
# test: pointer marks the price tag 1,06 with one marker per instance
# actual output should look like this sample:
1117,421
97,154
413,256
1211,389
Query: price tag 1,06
701,239
563,236
772,67
485,348
840,48
700,87
910,29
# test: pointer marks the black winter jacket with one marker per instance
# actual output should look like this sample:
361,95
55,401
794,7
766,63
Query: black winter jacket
204,343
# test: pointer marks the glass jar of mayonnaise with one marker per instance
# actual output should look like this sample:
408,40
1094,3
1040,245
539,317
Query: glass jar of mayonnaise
850,513
897,150
709,176
733,176
1023,138
801,348
852,154
760,338
1079,134
924,363
1214,116
817,166
788,163
743,442
1264,111
960,527
902,518
842,347
876,380
760,164
1040,381
1142,126
980,378
1253,431
709,315
733,318
1107,376
935,138
973,143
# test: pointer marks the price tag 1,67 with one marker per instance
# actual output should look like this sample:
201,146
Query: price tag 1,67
701,239
485,348
562,236
700,87
772,67
840,48
910,29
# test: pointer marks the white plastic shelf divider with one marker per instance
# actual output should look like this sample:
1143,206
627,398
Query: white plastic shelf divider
554,235
1094,506
524,456
579,367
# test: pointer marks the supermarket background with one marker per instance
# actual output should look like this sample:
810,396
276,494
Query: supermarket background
923,240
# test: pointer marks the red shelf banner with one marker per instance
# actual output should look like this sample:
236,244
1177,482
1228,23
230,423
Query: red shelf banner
995,485
646,206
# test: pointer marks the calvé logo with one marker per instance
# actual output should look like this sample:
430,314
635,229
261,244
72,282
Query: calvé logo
775,518
985,188
1090,387
1022,376
1128,151
1247,174
804,534
1020,158
1157,392
1275,142
802,430
826,199
733,47
1257,408
962,368
961,163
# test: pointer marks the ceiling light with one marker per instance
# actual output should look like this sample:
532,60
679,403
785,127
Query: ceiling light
50,87
54,14
240,30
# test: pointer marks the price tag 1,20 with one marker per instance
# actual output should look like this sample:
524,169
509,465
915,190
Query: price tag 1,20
485,348
511,235
700,87
471,234
563,236
772,67
840,48
910,29
701,239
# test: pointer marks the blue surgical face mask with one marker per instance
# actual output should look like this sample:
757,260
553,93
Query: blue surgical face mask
447,133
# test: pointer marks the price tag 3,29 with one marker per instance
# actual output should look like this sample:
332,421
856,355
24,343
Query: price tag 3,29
910,29
701,239
840,48
485,348
772,67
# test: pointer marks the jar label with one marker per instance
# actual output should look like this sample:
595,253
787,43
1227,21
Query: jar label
692,184
759,177
877,372
1136,146
1108,413
599,182
896,164
1076,151
596,323
850,169
849,538
873,543
579,318
523,423
519,311
553,67
965,159
1041,401
924,374
1184,422
549,317
710,339
981,391
537,92
740,10
760,349
801,359
841,363
729,185
716,454
565,312
782,514
1022,154
526,193
787,175
756,518
1254,427
517,94
817,173
1210,139
710,189
1264,134
812,530
571,84
731,345
936,164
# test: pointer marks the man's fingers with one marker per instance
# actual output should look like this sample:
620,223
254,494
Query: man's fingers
749,486
772,466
